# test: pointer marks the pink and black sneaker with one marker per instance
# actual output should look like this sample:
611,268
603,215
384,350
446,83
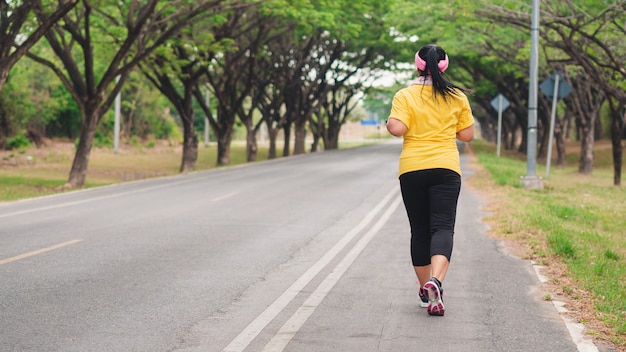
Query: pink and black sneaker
435,299
423,298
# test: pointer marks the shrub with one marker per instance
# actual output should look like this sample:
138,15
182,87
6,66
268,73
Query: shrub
18,142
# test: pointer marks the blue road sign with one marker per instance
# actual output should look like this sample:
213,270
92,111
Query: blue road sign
547,86
496,103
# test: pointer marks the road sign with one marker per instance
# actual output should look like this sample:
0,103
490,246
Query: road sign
500,103
369,122
496,102
547,86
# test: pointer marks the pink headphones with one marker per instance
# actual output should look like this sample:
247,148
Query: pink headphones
421,64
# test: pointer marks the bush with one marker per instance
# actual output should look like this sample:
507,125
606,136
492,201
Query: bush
18,142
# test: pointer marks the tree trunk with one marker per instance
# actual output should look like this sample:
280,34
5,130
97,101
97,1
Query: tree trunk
586,149
251,142
78,172
190,140
331,135
543,134
272,133
508,133
332,142
617,156
597,130
522,148
300,134
317,130
315,144
287,137
4,74
618,121
586,103
223,146
560,144
190,151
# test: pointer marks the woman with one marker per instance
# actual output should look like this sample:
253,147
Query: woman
430,114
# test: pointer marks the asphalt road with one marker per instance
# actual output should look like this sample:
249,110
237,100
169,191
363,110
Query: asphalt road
307,253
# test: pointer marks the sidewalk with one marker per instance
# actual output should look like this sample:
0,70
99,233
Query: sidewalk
493,300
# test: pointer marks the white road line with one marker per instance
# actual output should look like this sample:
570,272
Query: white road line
293,325
239,343
39,251
89,200
217,199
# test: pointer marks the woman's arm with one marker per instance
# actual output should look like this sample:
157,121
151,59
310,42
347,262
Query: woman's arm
396,127
466,135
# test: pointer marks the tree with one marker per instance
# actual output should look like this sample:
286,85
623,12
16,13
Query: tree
227,74
38,100
590,34
103,40
20,31
337,104
365,48
177,69
145,111
593,38
618,131
351,51
305,87
255,41
186,77
271,82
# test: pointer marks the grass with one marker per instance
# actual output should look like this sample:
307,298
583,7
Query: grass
577,222
17,187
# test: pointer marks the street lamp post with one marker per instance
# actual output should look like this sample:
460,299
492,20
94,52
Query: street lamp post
531,180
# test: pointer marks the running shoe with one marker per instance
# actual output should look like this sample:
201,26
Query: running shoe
423,298
435,293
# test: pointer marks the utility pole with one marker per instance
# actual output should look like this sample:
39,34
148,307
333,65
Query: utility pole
531,180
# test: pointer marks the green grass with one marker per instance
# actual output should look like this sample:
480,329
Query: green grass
16,187
578,220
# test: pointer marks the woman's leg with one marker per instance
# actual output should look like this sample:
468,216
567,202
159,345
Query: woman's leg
439,266
443,203
423,273
415,197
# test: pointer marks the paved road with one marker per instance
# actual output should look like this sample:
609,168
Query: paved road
308,253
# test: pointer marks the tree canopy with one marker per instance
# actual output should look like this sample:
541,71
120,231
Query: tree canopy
299,67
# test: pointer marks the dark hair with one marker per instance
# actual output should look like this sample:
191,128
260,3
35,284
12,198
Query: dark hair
432,54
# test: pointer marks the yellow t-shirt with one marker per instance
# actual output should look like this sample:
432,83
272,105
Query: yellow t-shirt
430,141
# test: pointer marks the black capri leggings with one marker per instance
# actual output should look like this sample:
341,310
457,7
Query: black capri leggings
430,198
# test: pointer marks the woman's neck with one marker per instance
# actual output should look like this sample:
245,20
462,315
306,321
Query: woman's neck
423,80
